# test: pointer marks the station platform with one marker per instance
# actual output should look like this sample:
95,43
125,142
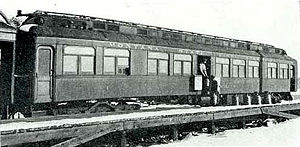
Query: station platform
83,128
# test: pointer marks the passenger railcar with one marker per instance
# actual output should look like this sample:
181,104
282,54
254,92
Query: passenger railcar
7,45
65,58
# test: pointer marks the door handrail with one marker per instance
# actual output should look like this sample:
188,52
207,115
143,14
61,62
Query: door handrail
21,76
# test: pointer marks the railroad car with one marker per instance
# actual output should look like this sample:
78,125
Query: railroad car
66,60
7,46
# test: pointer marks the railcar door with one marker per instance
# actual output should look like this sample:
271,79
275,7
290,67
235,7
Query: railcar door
44,75
6,78
293,80
204,68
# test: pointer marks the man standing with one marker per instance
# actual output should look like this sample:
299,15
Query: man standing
202,68
214,90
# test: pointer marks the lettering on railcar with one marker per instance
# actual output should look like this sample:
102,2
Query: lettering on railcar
147,47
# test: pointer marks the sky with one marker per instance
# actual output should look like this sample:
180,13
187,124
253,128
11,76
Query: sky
275,22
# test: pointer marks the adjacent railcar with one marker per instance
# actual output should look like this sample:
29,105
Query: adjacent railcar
7,45
66,58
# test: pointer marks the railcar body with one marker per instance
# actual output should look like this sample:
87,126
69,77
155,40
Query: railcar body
70,58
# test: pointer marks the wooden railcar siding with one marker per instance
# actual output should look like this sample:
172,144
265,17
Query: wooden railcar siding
59,59
138,63
296,75
99,60
194,64
171,64
213,66
85,88
276,85
239,85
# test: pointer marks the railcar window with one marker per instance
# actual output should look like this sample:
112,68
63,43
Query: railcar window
158,63
216,42
189,38
222,67
166,35
198,39
113,28
177,68
292,72
44,62
152,66
177,36
99,25
78,60
238,69
70,65
122,66
153,33
253,69
86,66
142,31
253,47
272,70
283,71
203,40
208,41
128,30
182,64
187,68
116,62
233,44
225,43
163,67
109,65
79,50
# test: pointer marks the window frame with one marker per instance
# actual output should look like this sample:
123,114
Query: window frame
253,65
239,64
222,64
283,71
158,57
78,56
68,72
115,56
180,58
272,72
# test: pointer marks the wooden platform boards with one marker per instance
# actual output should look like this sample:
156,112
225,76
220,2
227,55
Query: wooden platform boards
83,129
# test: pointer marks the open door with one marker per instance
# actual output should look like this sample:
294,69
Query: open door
292,80
206,60
6,78
204,69
44,75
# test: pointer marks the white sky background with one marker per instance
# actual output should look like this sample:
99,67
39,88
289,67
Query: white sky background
275,22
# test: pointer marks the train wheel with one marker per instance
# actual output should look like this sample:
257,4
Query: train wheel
104,108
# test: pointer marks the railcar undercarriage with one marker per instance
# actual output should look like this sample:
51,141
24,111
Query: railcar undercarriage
135,104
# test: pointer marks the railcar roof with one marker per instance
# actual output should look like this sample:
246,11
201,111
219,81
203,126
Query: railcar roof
6,28
276,56
127,38
4,24
84,27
